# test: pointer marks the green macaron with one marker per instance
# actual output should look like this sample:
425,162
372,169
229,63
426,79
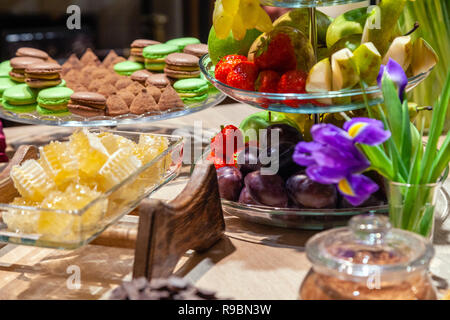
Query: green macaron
183,42
19,98
192,90
48,112
54,100
62,84
126,68
5,68
5,83
155,56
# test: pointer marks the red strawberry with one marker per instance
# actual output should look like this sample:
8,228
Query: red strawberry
293,81
276,53
229,137
243,76
267,81
226,65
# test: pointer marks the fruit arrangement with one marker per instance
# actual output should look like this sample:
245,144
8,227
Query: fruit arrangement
70,175
350,51
261,170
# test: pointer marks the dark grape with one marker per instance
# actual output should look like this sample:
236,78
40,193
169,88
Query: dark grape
267,189
286,134
246,198
310,194
284,162
230,183
248,160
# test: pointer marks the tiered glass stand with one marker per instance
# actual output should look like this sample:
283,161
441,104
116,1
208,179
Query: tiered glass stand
309,103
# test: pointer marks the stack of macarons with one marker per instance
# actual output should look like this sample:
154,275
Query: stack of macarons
19,98
54,101
181,66
155,56
43,75
18,65
137,46
192,90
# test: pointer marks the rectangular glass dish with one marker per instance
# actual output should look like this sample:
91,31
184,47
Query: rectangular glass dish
83,225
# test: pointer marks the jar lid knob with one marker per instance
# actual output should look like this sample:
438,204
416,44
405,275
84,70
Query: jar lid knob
370,228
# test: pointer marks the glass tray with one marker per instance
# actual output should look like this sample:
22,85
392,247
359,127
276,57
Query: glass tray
306,3
73,120
310,219
278,101
113,204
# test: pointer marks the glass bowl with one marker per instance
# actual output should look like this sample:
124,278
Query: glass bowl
350,99
74,120
306,3
315,219
109,207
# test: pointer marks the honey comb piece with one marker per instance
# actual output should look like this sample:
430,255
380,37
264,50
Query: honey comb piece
57,159
89,151
32,181
119,166
21,220
113,142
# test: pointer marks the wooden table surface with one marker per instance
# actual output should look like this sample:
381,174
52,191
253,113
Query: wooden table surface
250,262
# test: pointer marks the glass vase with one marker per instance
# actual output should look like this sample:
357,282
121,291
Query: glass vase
412,206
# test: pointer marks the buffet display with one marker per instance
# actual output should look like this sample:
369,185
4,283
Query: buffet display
337,144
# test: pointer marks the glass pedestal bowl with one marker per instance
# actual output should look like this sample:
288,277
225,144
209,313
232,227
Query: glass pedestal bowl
308,103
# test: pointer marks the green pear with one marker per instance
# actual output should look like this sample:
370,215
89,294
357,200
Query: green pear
345,73
368,60
319,79
382,23
401,50
348,23
423,57
344,69
299,19
351,42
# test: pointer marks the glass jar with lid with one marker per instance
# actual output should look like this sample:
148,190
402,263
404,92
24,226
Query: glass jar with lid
368,260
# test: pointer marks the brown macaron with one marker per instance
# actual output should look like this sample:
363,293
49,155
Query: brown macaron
140,76
18,65
137,46
32,53
87,104
43,75
182,66
158,80
198,50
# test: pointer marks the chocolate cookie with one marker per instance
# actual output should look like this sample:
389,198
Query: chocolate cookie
158,80
18,65
43,75
140,76
182,66
197,50
32,53
87,104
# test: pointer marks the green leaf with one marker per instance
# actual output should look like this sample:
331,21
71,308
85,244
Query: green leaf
426,222
442,160
379,160
406,144
394,110
437,125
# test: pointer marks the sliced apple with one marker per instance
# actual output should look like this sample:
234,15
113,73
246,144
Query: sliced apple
368,60
319,79
423,57
401,51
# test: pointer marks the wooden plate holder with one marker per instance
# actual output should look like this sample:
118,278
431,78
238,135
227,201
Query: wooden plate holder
166,230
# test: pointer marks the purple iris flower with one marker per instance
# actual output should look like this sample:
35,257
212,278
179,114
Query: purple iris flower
3,157
333,157
396,73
